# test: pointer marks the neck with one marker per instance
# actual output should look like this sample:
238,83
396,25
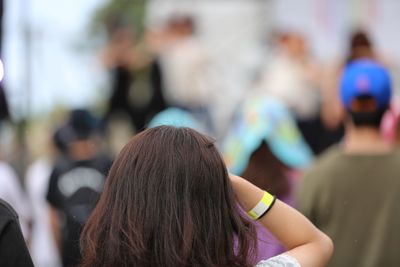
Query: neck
364,140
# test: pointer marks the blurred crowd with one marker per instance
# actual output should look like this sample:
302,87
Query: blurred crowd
287,121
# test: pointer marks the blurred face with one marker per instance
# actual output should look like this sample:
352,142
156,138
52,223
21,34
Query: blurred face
296,45
123,37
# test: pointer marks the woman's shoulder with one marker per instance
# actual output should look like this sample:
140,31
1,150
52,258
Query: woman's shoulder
282,260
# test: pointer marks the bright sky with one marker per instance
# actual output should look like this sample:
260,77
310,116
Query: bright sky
62,73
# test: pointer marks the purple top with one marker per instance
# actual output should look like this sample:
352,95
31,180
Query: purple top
269,246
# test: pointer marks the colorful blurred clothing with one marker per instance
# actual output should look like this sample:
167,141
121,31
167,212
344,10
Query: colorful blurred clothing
266,119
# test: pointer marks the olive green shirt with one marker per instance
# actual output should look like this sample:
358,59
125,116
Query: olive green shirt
355,199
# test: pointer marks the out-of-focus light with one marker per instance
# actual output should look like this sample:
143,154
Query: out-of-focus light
1,70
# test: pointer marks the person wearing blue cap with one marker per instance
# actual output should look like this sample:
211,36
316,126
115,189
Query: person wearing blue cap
352,191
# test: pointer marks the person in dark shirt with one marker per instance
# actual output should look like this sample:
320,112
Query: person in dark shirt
130,67
75,183
13,250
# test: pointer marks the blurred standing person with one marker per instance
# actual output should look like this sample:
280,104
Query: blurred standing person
125,58
332,113
360,47
42,246
117,57
76,182
265,147
352,192
292,77
12,192
185,66
155,42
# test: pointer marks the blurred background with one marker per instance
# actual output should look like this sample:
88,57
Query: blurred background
51,51
125,61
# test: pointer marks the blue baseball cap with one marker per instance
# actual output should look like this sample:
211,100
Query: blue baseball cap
365,77
265,119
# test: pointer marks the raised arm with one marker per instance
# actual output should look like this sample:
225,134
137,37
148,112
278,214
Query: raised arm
308,245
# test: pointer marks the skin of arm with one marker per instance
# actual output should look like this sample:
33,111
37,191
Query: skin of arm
308,245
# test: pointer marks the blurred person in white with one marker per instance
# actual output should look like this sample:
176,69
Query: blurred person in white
353,190
43,248
11,191
186,69
292,76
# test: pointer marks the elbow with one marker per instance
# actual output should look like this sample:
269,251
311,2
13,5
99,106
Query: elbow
326,246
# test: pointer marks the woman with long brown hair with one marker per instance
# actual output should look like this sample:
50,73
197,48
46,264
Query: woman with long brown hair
169,201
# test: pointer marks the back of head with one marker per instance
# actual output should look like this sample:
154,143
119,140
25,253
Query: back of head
167,202
75,137
267,172
80,125
83,124
365,92
182,24
360,46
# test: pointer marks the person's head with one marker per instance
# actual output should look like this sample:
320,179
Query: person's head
360,46
365,92
292,42
182,25
264,143
76,136
267,171
167,201
120,29
296,45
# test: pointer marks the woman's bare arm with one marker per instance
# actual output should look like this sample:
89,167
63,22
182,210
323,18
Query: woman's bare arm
308,245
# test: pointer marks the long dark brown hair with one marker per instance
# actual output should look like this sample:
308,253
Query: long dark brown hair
168,202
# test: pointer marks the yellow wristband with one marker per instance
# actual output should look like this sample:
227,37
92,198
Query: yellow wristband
266,202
